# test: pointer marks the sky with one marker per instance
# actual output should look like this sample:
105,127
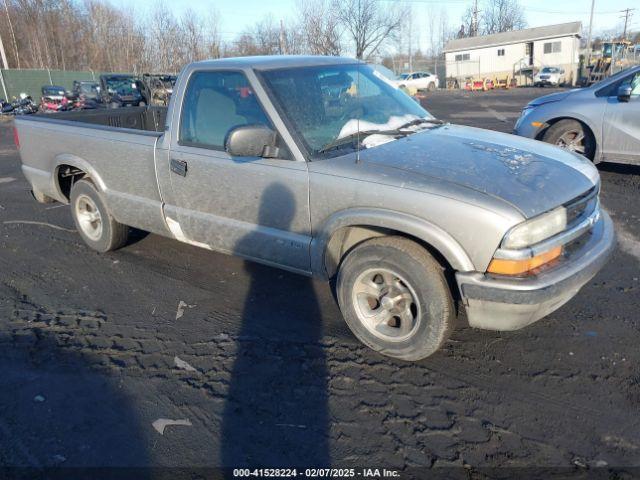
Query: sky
236,15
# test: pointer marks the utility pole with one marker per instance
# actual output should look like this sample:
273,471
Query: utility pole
13,35
5,65
627,15
410,43
283,47
593,3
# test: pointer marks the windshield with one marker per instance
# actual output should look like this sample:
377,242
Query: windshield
122,85
327,103
549,70
53,91
89,88
403,76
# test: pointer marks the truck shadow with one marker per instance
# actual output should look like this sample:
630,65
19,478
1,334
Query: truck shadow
58,415
276,407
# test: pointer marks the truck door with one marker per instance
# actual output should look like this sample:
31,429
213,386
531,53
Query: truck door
251,206
621,125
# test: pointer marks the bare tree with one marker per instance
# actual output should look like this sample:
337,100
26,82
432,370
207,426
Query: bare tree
496,16
370,24
503,16
320,26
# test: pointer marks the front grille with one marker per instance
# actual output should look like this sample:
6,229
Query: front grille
581,207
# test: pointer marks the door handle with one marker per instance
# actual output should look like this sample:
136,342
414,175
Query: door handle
179,167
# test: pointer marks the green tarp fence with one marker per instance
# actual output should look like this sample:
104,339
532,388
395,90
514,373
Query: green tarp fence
13,82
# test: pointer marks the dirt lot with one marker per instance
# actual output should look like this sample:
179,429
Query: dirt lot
93,350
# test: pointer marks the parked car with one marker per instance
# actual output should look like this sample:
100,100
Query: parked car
404,212
54,99
120,90
550,76
86,95
599,122
418,80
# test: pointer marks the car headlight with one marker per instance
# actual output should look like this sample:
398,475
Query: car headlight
536,230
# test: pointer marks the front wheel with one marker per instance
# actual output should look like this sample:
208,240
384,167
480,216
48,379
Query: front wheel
573,136
96,225
395,299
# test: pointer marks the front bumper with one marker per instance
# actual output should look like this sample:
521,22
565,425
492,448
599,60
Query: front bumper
511,303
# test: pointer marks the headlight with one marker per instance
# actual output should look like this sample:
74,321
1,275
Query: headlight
537,229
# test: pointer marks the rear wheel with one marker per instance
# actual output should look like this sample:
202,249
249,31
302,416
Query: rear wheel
94,222
431,87
573,136
395,299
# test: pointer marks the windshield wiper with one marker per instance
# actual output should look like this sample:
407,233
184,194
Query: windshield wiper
397,132
349,139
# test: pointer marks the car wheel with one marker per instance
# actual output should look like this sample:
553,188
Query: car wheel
395,299
571,135
96,225
431,87
142,103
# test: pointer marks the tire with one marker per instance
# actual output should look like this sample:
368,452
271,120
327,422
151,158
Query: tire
572,135
431,87
142,103
411,328
97,227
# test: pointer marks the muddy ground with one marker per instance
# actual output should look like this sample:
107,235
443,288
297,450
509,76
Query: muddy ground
92,352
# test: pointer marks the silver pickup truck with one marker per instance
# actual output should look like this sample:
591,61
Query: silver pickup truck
319,166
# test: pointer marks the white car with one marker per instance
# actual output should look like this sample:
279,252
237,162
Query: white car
553,76
418,80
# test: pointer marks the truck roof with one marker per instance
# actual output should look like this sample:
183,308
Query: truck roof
268,62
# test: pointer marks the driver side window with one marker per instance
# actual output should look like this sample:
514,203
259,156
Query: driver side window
214,104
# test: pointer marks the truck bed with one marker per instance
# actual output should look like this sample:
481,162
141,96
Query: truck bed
115,147
149,118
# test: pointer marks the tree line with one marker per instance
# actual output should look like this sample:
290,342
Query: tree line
97,35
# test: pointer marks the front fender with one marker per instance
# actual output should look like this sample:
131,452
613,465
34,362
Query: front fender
416,227
552,112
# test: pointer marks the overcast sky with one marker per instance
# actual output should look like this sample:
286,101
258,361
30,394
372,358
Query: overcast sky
236,15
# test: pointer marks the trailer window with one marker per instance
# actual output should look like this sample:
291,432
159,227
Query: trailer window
214,104
552,47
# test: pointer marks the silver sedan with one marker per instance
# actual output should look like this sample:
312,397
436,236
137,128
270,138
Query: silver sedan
601,122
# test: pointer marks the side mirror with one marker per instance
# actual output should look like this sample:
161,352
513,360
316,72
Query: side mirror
252,141
624,92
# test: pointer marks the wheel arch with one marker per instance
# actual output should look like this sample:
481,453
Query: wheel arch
588,124
346,229
84,168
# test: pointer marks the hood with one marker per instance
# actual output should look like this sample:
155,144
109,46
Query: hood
531,176
553,97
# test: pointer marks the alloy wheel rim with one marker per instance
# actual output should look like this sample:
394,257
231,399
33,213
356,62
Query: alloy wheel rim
386,304
573,140
89,218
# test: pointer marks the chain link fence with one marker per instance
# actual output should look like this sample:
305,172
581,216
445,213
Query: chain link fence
13,82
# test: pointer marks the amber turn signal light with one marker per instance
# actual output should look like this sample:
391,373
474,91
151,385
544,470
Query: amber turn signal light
502,266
